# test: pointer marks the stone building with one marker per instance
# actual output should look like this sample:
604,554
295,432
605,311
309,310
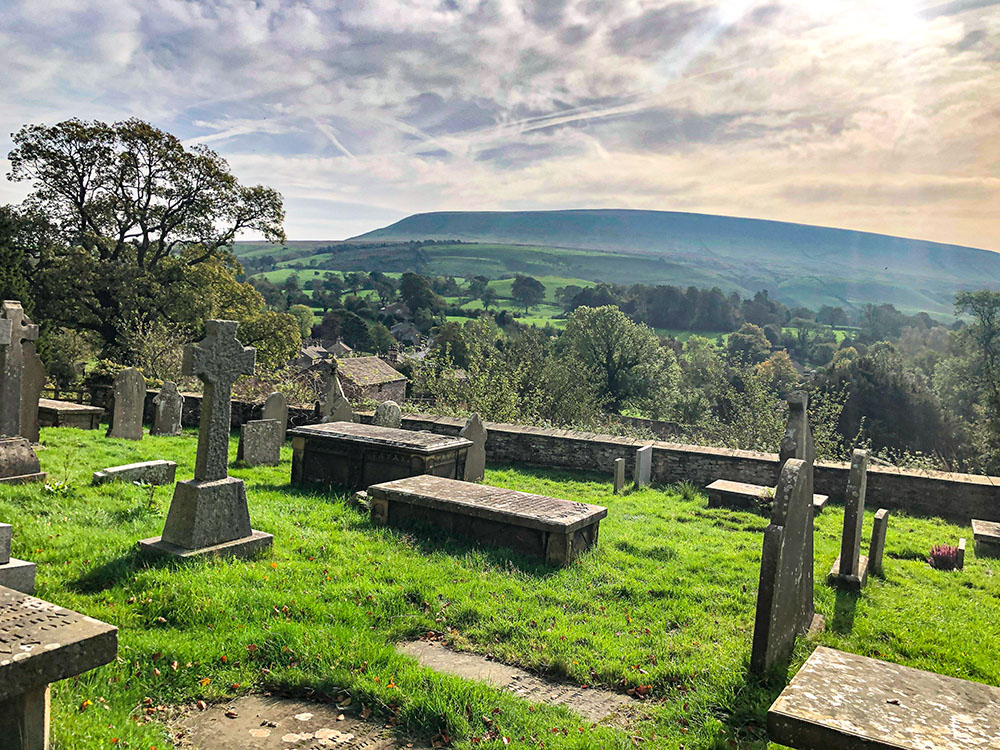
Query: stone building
370,377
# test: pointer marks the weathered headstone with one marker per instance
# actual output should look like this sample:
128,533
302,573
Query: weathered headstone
785,593
643,465
128,402
146,472
276,407
14,574
387,414
798,443
260,443
851,568
336,408
877,547
18,462
33,377
209,514
41,643
619,475
168,408
475,459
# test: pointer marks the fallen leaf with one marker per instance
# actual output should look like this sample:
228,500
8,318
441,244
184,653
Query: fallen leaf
231,714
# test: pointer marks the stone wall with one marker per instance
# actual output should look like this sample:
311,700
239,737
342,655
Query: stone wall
957,497
242,412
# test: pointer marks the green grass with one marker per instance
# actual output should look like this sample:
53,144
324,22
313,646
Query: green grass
665,600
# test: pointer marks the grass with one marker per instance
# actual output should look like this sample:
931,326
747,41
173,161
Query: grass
665,600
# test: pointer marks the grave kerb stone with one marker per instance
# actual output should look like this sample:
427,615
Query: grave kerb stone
156,472
876,549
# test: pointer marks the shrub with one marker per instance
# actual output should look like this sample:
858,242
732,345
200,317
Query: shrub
943,557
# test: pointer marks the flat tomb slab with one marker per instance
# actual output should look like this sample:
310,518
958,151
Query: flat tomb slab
548,527
987,536
41,642
723,493
148,472
849,702
355,455
53,413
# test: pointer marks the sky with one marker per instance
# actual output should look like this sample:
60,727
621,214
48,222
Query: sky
879,115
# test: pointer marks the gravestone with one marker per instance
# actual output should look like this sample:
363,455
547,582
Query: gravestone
619,475
18,462
797,442
387,414
643,465
276,407
336,408
209,514
986,535
146,472
851,568
14,574
33,377
168,409
260,443
41,643
877,547
785,590
128,402
960,556
475,459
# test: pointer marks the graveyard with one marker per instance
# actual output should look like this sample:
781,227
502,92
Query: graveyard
660,611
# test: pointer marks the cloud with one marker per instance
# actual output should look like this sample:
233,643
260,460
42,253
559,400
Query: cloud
876,116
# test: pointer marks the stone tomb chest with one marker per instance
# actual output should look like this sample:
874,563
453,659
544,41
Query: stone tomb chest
840,700
557,530
52,413
356,455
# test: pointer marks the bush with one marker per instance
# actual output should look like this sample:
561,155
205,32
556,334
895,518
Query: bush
943,557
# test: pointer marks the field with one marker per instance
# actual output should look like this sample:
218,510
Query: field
666,601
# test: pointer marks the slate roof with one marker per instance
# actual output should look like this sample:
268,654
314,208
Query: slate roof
363,371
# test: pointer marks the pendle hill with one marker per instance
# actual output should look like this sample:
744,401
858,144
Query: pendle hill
798,264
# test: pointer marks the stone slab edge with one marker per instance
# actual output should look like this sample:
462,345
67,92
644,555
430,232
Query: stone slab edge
25,478
245,548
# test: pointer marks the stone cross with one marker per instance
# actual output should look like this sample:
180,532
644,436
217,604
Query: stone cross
276,407
168,410
387,414
798,443
16,329
217,361
337,408
475,459
851,568
784,594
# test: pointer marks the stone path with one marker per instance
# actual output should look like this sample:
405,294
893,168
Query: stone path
591,704
256,722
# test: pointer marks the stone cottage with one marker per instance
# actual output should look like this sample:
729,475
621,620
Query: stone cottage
370,377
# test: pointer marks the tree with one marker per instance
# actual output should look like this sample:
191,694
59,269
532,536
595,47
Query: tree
778,372
304,316
133,212
489,297
382,338
981,339
528,291
416,293
13,268
626,358
749,343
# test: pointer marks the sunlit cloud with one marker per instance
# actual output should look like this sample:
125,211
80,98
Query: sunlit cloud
876,116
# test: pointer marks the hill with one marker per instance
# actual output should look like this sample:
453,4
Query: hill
799,264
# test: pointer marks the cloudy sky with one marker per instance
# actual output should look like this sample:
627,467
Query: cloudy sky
881,115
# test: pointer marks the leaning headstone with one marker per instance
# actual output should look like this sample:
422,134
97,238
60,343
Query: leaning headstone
784,594
33,377
475,459
14,574
619,475
877,548
41,643
276,407
209,514
643,465
387,414
128,402
851,568
336,408
260,443
147,472
797,442
18,462
168,408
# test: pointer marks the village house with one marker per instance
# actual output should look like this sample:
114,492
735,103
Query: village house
370,377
